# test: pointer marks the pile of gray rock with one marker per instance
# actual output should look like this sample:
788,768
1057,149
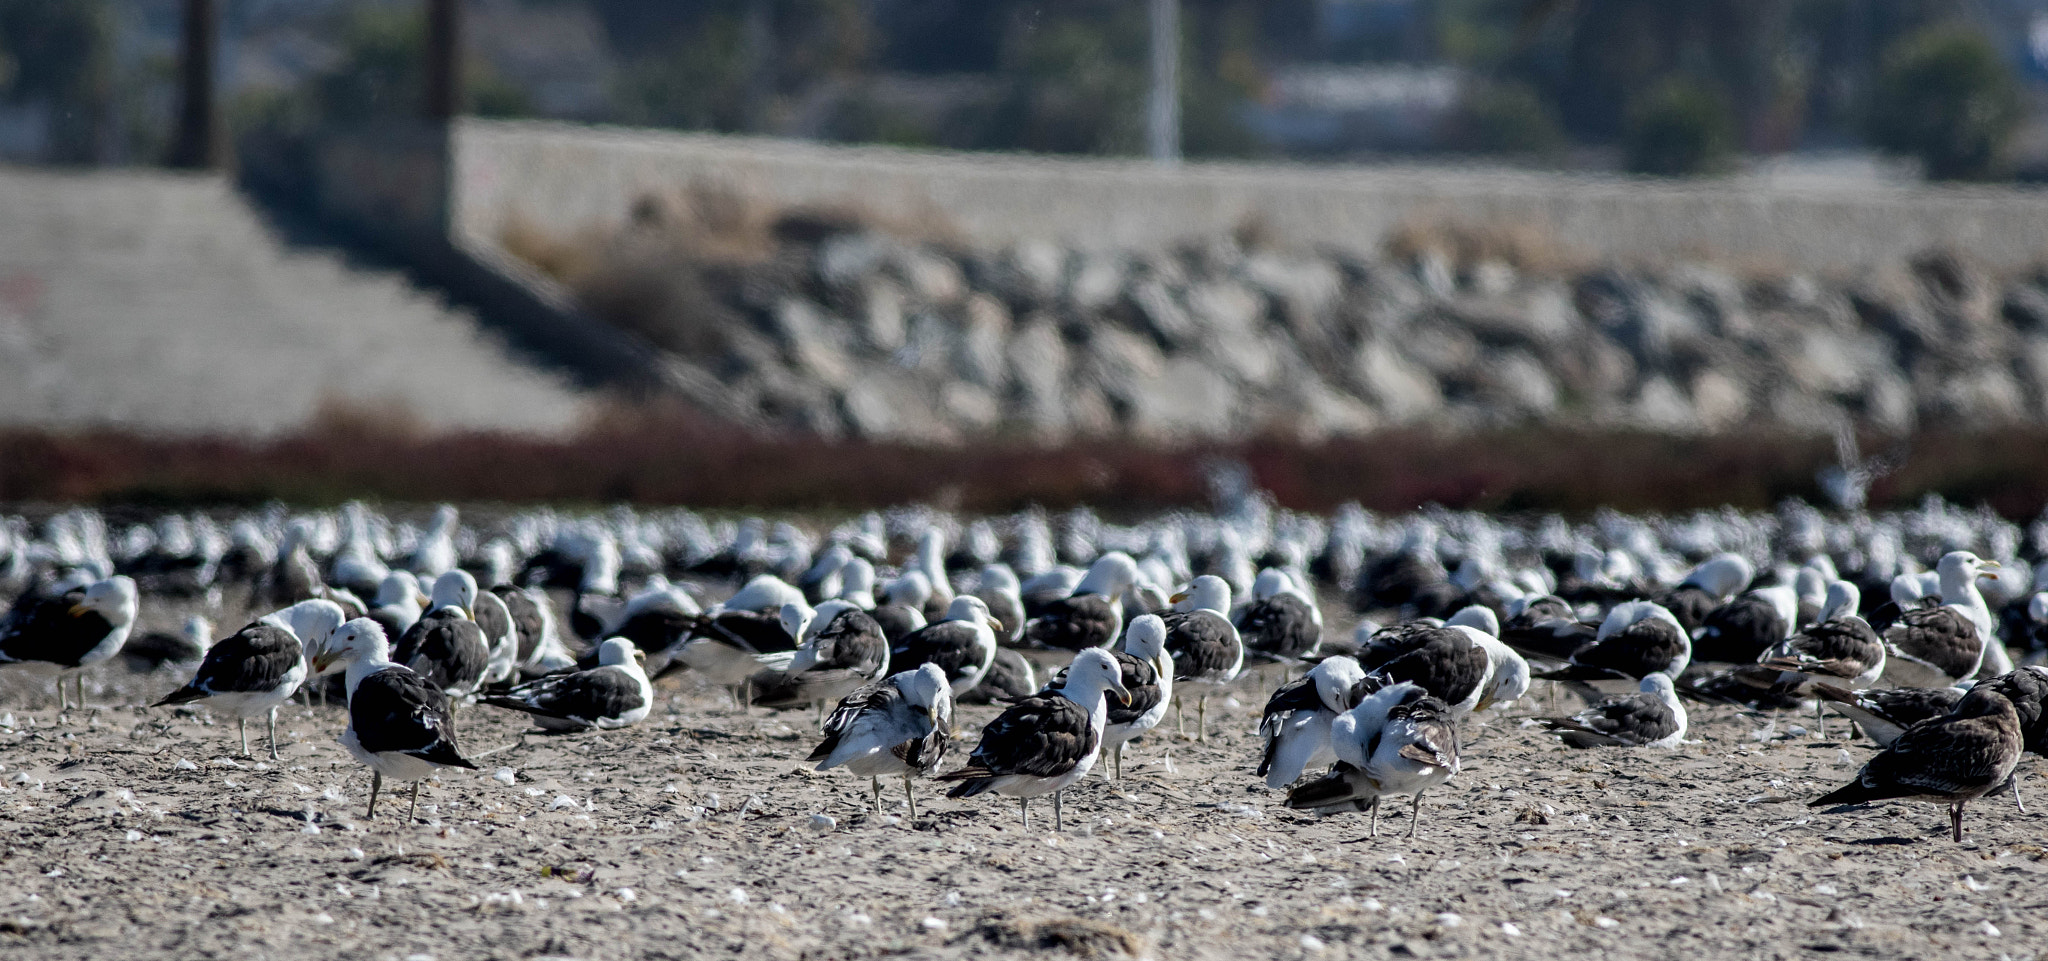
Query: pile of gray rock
856,333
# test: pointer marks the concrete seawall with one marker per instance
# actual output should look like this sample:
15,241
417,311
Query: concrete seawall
565,179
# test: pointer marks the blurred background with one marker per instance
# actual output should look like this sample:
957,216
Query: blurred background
1488,253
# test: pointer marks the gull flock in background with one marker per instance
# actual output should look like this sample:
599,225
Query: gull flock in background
1372,640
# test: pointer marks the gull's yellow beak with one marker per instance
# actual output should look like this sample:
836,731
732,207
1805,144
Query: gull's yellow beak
1983,570
1122,695
640,655
1177,598
995,625
322,663
79,609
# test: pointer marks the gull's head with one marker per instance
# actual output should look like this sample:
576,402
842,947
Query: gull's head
1844,599
1206,593
1722,575
455,589
1965,567
973,610
617,652
398,587
928,692
1096,669
795,616
857,576
1270,582
1478,617
1660,685
114,599
1336,678
1145,639
911,589
999,577
357,640
1111,575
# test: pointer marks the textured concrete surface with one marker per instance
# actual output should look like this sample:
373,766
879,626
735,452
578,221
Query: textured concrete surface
164,302
568,178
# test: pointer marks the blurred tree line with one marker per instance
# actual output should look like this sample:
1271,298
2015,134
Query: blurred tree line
1655,86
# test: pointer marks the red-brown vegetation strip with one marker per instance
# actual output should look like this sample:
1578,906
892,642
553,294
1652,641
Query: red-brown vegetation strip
677,459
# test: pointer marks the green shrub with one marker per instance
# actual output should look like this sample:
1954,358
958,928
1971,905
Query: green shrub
1679,129
1946,97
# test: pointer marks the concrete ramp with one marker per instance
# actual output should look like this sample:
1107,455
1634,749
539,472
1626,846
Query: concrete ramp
164,302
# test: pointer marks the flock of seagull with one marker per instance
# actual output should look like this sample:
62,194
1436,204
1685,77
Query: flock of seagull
1088,633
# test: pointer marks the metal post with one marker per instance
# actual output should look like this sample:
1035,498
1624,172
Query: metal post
444,59
197,142
1162,126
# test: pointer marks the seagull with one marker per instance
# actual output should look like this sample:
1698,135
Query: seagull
1706,588
1206,649
847,654
1296,725
1092,614
445,646
896,728
1543,625
1447,662
1047,741
998,587
252,671
1938,646
1010,676
1654,717
963,645
1398,740
1147,674
613,695
1885,713
1841,649
501,638
902,607
540,642
65,633
1744,628
725,646
398,602
399,724
1963,755
1635,640
1280,624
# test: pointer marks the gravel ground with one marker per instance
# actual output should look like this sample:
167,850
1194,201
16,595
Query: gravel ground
700,833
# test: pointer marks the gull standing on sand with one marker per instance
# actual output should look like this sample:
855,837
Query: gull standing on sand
399,724
1148,678
1296,725
253,671
897,728
1047,741
1205,647
65,633
1398,740
1953,759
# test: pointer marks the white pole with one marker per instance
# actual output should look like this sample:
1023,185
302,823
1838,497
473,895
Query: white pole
1162,126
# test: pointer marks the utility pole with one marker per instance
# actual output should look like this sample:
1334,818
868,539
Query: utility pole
1162,116
444,60
197,142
